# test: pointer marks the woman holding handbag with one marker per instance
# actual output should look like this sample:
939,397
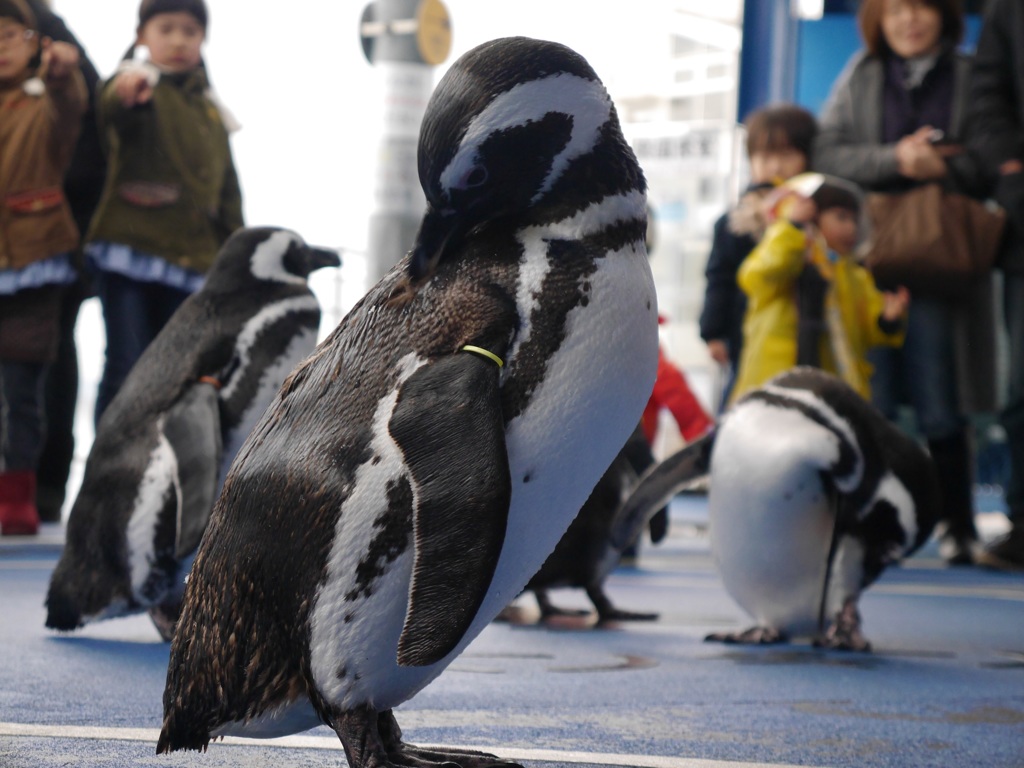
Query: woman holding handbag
892,123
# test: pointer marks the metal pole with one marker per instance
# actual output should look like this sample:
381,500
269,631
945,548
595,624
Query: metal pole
392,34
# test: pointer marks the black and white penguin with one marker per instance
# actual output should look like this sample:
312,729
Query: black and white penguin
813,494
587,553
414,473
164,443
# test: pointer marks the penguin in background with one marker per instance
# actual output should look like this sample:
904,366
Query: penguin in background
587,553
415,472
163,446
813,494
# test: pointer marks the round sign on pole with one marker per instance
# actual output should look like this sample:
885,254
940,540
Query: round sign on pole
403,40
406,30
433,32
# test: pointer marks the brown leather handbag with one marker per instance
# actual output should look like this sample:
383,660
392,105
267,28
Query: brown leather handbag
930,240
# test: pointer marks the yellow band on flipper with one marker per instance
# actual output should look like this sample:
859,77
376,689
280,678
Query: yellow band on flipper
484,353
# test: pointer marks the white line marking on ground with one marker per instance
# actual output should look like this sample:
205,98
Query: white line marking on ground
327,742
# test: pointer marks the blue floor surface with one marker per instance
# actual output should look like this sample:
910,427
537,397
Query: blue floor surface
944,687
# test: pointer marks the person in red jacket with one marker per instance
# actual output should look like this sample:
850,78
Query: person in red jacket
672,392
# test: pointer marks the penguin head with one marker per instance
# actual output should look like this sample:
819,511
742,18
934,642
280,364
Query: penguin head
268,254
508,120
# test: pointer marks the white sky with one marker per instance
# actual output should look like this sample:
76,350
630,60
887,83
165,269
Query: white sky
295,76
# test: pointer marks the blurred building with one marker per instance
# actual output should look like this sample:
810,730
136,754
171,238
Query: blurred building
679,113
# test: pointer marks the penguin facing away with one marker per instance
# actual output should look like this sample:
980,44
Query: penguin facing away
813,494
164,443
587,552
415,471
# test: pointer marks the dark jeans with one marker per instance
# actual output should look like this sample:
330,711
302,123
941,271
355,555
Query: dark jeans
922,372
22,414
133,314
1012,417
61,399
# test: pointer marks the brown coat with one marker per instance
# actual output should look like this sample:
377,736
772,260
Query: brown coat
37,138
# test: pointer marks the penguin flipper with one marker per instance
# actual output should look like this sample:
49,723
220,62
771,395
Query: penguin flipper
657,487
448,423
192,427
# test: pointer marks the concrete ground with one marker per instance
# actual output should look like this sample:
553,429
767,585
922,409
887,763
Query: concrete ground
944,687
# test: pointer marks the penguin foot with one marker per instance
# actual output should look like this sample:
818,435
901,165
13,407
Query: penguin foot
607,613
752,636
844,633
552,612
838,641
385,748
549,610
411,756
620,614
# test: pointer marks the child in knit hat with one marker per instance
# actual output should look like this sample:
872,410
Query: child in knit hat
172,195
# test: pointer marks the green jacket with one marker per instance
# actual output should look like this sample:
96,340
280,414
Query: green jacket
171,188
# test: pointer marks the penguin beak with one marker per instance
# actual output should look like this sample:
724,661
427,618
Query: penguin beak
440,233
318,258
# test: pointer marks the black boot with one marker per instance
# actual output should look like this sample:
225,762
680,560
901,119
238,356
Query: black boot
952,456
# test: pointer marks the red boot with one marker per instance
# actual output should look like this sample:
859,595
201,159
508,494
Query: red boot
18,513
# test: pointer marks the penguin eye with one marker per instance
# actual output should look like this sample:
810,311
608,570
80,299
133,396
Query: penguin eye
292,260
477,176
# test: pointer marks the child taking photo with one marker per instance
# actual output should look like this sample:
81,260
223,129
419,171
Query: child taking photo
809,301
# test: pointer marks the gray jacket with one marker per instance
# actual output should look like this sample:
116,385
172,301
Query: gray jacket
849,144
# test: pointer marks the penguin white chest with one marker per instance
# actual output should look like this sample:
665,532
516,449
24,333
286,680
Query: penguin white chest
771,518
593,391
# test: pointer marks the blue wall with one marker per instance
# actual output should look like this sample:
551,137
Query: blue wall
823,50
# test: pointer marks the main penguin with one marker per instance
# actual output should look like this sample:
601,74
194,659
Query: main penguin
163,445
416,471
813,494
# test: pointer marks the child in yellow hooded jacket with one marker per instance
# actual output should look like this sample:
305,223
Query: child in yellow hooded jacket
809,300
